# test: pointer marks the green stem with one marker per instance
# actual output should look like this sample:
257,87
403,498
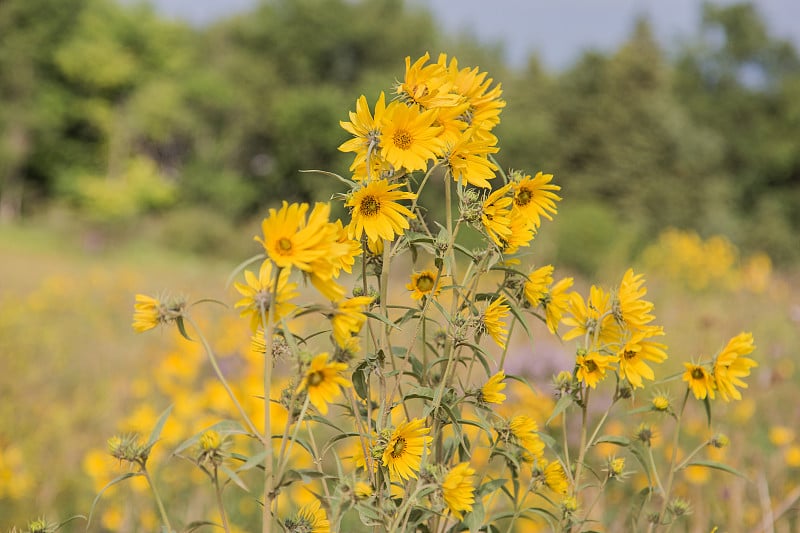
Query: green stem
671,475
157,497
583,446
213,359
268,326
220,505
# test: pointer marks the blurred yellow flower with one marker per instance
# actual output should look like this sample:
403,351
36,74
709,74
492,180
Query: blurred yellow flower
348,318
700,381
147,313
311,518
458,489
322,381
490,392
781,435
731,364
492,320
537,284
555,478
525,432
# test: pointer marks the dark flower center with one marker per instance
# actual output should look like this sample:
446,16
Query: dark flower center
370,206
315,378
399,447
424,283
402,139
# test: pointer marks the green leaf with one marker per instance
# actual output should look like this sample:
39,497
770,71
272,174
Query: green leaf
425,393
717,466
637,453
561,405
491,486
197,524
241,266
234,477
613,439
253,461
110,484
182,329
359,380
156,433
381,318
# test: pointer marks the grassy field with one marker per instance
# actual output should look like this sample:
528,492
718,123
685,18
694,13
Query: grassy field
74,373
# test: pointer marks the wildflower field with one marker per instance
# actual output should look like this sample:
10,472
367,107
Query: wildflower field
417,364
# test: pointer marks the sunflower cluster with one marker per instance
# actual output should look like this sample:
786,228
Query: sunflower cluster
404,410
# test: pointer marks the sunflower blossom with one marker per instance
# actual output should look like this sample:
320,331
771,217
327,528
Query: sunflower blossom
636,351
348,317
700,381
522,233
458,489
310,518
467,159
492,321
322,381
426,84
524,430
491,390
629,308
496,215
291,240
149,312
537,285
534,197
555,478
590,318
409,138
375,211
366,131
403,453
422,283
731,365
473,85
257,293
592,367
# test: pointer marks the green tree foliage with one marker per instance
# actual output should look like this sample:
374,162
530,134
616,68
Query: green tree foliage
224,117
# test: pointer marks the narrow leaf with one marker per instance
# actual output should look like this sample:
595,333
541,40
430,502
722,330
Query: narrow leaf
156,433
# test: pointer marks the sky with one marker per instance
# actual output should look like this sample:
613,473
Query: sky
558,31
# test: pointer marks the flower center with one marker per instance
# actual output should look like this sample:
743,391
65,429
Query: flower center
629,354
697,373
523,197
315,378
399,447
402,139
424,283
284,245
590,365
370,206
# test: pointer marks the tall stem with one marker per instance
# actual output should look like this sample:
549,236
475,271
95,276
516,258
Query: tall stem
671,475
268,326
157,496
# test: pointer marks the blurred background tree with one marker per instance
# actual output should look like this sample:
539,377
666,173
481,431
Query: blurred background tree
112,113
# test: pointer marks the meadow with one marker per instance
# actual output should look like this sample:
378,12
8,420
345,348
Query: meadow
75,373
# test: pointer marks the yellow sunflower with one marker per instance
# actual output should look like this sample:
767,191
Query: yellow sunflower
426,84
147,313
409,138
731,365
257,294
555,478
555,303
366,131
291,240
592,367
700,381
636,351
525,433
403,453
534,197
492,320
629,308
310,518
591,317
322,381
484,100
422,283
348,318
467,159
458,489
521,235
375,211
496,215
537,285
491,390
